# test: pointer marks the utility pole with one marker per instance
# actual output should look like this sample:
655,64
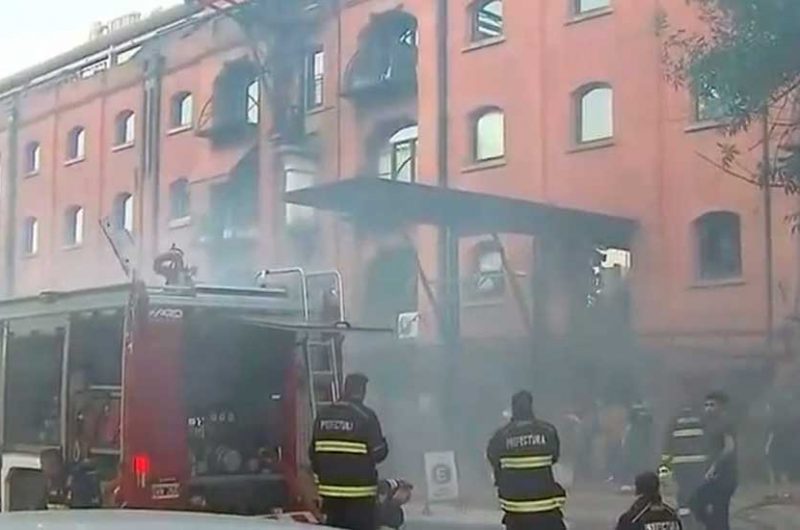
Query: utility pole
766,182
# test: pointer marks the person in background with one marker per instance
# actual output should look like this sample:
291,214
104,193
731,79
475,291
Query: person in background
522,454
346,446
711,502
649,512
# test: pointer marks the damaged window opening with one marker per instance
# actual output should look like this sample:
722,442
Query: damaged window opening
236,100
387,56
398,156
487,20
719,252
708,105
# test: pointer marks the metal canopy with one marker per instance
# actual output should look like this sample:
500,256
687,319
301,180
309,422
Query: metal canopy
379,201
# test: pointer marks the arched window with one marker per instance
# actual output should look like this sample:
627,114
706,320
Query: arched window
398,156
30,236
595,112
123,212
487,19
488,136
73,226
253,101
719,250
33,158
76,144
179,206
587,6
181,110
125,128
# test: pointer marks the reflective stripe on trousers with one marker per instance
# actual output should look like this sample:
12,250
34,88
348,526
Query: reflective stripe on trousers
347,492
689,459
542,505
526,462
339,446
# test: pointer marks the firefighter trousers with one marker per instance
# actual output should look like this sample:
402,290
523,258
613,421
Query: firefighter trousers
350,514
535,521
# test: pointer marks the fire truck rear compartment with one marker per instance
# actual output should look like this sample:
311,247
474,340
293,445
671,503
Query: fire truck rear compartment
235,386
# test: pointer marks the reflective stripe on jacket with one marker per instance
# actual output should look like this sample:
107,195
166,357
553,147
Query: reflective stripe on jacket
522,455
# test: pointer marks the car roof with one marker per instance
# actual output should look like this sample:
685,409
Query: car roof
135,520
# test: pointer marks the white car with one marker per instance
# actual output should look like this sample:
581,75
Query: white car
135,520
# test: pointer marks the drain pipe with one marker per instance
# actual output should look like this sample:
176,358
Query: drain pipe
9,183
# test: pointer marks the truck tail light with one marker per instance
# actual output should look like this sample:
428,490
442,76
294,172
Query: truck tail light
141,469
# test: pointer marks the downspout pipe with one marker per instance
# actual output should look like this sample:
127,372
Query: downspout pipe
10,175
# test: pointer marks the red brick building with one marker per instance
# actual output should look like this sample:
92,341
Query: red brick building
164,127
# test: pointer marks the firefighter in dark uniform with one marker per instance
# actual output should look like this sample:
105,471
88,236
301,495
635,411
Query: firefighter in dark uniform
648,511
522,455
346,446
684,455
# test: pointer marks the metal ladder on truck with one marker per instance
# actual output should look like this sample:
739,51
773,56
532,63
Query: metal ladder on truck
321,348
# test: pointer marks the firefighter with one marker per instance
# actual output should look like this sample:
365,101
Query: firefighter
684,455
648,511
522,455
346,446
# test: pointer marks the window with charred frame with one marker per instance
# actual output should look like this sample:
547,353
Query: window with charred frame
719,251
30,236
236,98
181,110
386,60
123,212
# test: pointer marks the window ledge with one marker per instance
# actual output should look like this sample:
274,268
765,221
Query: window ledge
483,43
590,146
319,109
711,284
31,174
122,147
180,129
71,247
489,302
73,161
577,18
180,222
705,125
484,164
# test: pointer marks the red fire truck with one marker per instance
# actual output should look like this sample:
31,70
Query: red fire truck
182,397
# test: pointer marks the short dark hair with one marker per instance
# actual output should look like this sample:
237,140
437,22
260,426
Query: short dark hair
647,484
718,396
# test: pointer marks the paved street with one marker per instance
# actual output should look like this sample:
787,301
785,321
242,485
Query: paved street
598,510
